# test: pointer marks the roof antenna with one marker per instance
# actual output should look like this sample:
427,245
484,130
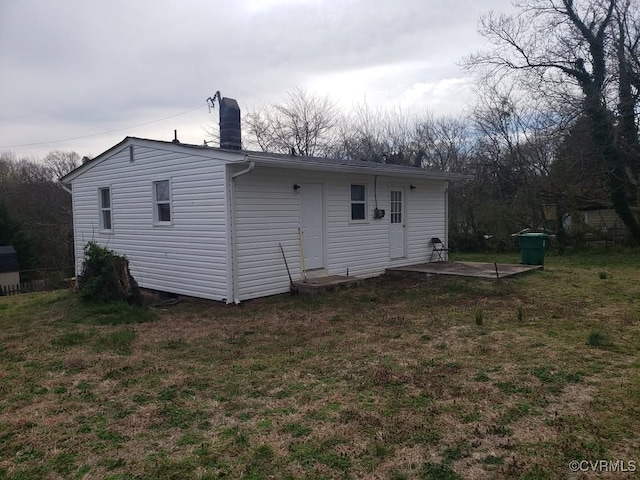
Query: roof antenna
211,101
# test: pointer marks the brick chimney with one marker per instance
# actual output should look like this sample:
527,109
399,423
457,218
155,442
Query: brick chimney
230,129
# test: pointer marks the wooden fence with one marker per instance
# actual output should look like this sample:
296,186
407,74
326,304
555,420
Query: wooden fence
46,279
24,287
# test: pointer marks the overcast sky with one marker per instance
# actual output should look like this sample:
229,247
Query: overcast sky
74,68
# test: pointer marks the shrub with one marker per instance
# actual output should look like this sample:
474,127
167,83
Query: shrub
438,471
106,278
479,317
596,339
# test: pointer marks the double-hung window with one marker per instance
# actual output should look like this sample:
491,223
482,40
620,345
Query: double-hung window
162,202
358,202
104,198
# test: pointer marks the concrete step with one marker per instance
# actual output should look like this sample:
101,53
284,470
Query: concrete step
317,285
317,273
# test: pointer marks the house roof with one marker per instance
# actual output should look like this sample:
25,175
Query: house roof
346,165
275,160
8,259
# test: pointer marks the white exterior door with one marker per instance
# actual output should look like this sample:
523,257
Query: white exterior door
397,221
311,222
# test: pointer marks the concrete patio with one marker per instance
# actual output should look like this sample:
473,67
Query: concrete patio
464,269
321,284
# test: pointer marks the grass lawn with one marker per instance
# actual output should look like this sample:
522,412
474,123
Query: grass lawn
397,379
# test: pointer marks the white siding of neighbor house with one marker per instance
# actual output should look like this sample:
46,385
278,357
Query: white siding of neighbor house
189,256
9,280
602,219
267,212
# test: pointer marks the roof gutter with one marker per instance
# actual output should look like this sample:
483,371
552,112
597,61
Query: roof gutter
357,169
65,188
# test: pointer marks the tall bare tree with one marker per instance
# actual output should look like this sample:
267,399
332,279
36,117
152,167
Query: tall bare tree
443,143
60,163
304,124
584,53
374,135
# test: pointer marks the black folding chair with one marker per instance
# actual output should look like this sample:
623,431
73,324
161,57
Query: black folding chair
439,249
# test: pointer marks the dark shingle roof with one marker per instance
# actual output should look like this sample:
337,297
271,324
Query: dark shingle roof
8,259
286,161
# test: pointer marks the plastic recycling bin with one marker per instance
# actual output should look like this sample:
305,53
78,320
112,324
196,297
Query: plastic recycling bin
532,247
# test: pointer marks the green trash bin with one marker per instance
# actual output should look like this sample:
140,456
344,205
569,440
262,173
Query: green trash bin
532,246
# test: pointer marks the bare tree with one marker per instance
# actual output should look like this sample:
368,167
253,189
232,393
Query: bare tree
443,143
578,52
39,210
513,147
304,124
60,163
374,135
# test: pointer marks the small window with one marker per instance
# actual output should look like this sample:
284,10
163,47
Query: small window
162,201
358,202
396,206
105,208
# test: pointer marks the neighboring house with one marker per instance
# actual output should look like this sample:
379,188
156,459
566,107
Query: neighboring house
208,222
602,219
9,269
596,217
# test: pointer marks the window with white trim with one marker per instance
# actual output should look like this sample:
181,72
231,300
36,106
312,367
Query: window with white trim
162,202
358,202
104,198
396,206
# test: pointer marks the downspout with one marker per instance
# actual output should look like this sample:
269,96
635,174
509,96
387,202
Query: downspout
232,216
73,224
251,167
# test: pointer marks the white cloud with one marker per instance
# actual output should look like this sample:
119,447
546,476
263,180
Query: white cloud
444,97
73,68
396,86
263,5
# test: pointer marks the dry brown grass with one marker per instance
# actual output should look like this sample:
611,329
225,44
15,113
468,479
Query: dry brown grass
387,381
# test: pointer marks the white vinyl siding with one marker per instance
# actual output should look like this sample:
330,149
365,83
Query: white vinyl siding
191,257
602,219
267,214
217,243
426,217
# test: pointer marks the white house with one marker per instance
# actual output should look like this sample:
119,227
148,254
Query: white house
208,222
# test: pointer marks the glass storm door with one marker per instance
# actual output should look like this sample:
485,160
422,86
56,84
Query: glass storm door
397,221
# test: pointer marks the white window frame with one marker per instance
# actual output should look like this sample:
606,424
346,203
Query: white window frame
157,203
396,216
358,202
103,210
